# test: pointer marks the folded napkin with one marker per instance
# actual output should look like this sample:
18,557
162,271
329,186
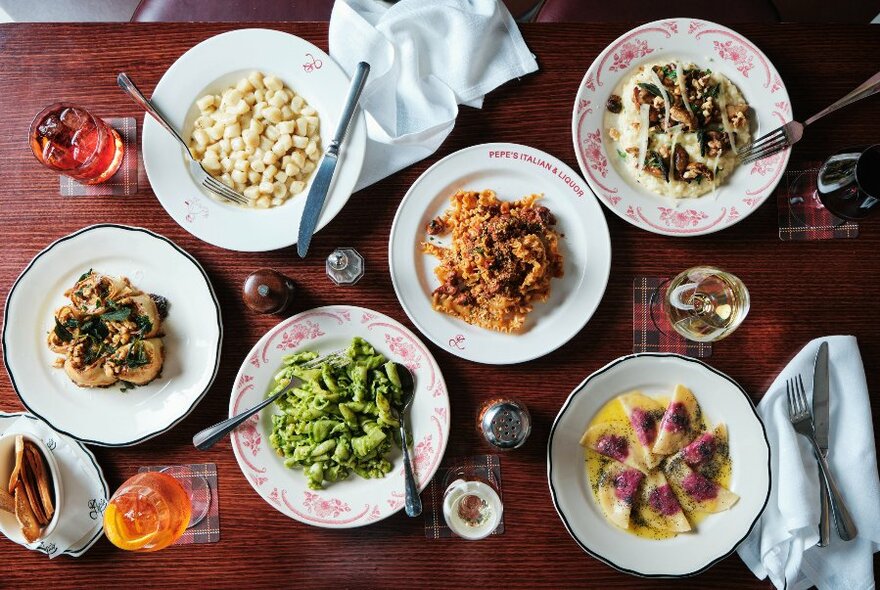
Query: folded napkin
425,59
76,520
783,543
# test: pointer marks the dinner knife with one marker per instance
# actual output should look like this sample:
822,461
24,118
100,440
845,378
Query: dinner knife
821,392
324,176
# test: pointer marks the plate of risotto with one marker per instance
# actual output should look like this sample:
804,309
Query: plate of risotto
660,117
499,253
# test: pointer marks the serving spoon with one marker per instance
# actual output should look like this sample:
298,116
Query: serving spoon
408,385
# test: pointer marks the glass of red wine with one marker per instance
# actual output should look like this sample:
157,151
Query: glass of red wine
849,182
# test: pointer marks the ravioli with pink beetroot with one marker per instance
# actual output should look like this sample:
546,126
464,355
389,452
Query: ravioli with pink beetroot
655,468
681,422
616,440
618,486
658,507
644,414
695,491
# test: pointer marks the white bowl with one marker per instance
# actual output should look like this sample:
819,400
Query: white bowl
8,522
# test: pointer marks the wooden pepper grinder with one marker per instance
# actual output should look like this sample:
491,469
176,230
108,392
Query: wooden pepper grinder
267,291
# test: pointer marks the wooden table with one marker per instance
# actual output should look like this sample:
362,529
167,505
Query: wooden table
800,290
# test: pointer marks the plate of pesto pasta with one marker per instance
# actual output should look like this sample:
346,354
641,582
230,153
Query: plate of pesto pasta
328,453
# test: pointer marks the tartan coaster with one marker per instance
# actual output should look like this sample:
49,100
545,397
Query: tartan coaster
802,215
652,332
483,467
208,530
125,181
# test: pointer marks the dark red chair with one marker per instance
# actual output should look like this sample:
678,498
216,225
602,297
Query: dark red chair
263,10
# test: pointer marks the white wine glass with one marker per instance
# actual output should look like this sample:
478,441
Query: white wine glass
702,303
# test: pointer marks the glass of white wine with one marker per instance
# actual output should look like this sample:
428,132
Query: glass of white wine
705,304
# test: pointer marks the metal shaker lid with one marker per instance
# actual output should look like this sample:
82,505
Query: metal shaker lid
506,424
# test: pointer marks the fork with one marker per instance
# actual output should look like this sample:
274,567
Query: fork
201,175
802,420
205,439
791,133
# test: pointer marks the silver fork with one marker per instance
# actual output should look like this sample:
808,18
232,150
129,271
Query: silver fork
791,133
802,420
202,176
205,439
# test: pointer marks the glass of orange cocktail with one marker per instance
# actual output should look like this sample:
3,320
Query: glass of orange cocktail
70,140
149,512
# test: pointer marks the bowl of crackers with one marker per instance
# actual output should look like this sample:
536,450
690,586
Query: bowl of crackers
30,488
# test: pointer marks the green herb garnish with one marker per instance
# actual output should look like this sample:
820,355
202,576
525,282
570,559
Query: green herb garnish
137,356
62,332
117,315
655,161
621,153
84,276
713,92
650,88
701,137
126,386
143,323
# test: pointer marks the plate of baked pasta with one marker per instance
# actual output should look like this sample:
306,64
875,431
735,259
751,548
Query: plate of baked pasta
257,109
112,335
658,465
499,253
660,117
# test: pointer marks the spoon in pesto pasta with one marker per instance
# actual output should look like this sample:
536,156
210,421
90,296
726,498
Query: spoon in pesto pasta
408,386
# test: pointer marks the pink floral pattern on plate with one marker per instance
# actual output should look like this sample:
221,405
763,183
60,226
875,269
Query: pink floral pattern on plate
355,501
748,68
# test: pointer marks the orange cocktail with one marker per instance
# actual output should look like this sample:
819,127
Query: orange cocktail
72,141
149,512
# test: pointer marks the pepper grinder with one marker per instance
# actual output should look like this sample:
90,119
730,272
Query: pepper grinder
267,291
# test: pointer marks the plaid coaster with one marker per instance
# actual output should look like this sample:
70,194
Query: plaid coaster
802,215
125,181
483,467
208,530
652,332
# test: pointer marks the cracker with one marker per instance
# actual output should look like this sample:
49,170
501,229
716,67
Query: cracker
7,502
30,487
37,465
19,460
25,516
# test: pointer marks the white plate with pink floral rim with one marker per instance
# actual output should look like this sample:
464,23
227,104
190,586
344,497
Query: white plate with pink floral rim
355,501
513,171
706,44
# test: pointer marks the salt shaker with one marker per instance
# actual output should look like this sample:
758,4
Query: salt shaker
267,291
504,422
345,266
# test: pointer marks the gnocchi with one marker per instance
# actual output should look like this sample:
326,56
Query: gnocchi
258,137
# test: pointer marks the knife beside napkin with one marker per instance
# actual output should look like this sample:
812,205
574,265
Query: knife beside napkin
324,175
782,546
821,391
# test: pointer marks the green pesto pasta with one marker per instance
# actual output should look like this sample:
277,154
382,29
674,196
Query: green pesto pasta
339,419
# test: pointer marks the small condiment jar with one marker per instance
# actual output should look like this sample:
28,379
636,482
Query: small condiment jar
472,509
345,266
504,422
267,291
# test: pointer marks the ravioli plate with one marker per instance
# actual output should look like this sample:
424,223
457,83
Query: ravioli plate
716,537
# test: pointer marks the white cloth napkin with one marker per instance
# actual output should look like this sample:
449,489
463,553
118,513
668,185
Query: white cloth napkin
426,58
783,544
75,519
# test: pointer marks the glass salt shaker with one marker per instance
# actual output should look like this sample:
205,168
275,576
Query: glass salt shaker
345,266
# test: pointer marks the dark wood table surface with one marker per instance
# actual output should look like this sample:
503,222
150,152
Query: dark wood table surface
800,290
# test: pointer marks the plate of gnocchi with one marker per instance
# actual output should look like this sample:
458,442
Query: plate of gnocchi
658,465
257,108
